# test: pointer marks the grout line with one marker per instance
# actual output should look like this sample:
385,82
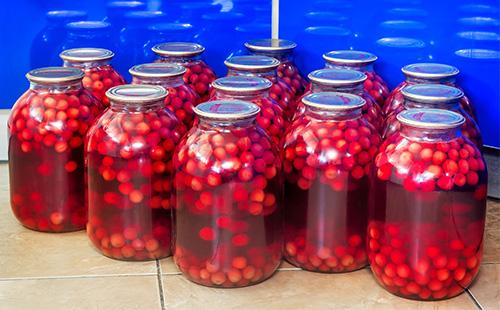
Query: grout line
78,277
474,300
160,284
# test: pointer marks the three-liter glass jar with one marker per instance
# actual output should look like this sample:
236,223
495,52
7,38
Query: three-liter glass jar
427,207
433,96
228,228
426,73
47,128
129,164
344,81
95,63
266,67
283,51
364,62
254,89
329,151
198,73
180,98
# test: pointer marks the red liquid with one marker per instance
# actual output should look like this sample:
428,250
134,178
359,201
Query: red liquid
425,231
290,74
129,177
181,100
228,224
46,164
376,87
99,79
327,166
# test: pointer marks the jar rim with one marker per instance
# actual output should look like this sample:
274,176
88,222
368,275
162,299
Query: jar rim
178,49
54,75
226,109
338,77
431,118
136,93
350,57
431,93
242,84
86,54
334,101
252,62
158,70
428,70
270,45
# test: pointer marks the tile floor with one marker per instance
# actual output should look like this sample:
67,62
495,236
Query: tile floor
62,271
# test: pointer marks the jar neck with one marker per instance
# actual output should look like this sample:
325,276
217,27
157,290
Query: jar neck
414,80
430,135
180,59
86,64
328,115
356,67
166,82
210,123
88,35
57,88
282,56
119,106
356,89
451,106
245,96
271,75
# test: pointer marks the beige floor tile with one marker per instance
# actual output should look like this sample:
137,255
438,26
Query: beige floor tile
298,290
492,234
132,292
486,289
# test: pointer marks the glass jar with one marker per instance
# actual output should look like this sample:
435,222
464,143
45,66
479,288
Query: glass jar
88,33
434,96
344,81
46,43
427,208
199,75
256,90
426,73
329,152
283,51
228,187
266,67
360,61
180,98
129,165
47,127
95,63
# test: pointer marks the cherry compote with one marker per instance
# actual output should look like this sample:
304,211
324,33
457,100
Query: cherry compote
198,73
360,61
95,63
427,207
228,198
47,128
129,165
329,152
180,99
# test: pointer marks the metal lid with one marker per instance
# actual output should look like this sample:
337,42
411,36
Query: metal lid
157,70
349,57
401,42
178,49
334,101
136,93
66,14
270,45
476,53
432,93
226,109
479,35
54,75
137,15
252,62
430,70
125,4
430,118
328,31
242,84
340,77
171,27
88,25
86,54
403,24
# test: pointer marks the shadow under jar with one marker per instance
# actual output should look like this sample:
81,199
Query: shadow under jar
47,128
129,166
199,75
426,73
255,90
180,98
427,208
344,81
228,228
95,64
433,96
283,51
266,67
360,61
329,152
